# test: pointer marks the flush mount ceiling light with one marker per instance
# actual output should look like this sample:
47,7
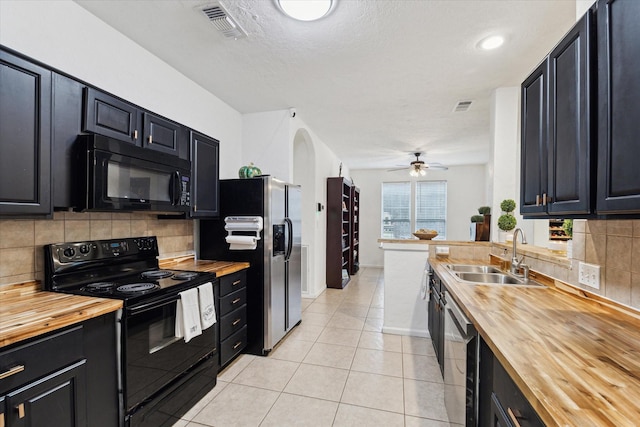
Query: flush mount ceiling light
491,42
306,10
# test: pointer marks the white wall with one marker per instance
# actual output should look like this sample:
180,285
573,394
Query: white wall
466,192
267,142
63,35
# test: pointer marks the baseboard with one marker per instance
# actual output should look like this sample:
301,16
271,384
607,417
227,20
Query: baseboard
422,333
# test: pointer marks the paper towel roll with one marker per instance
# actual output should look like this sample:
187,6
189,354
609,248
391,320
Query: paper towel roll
242,242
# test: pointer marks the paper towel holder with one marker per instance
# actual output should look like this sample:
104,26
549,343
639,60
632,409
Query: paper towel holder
247,229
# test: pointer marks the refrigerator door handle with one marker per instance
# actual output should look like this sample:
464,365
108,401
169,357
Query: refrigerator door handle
290,239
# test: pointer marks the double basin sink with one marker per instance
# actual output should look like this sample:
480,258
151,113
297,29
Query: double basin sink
487,274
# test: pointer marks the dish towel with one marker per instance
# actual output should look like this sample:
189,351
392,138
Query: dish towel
207,307
188,315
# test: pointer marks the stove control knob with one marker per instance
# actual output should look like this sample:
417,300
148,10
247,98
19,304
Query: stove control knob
84,249
69,252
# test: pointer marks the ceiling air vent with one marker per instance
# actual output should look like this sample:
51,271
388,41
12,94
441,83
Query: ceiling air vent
462,106
223,22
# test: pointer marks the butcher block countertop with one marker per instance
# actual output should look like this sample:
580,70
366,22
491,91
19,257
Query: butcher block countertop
26,311
574,355
220,268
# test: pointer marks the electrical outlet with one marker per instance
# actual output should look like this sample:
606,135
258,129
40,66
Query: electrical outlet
589,274
442,250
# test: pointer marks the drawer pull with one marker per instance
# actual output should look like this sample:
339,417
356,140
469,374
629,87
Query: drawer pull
238,344
20,409
235,301
513,417
235,322
237,282
12,371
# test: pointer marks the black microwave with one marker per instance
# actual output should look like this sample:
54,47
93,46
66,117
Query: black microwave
114,175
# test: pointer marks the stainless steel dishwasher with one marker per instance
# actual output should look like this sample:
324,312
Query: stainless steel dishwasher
460,362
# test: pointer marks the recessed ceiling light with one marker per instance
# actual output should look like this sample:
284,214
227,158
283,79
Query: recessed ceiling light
306,10
491,42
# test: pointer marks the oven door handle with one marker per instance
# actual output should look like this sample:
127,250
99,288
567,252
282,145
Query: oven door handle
141,308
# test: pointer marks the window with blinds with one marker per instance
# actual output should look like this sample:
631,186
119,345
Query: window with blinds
409,206
431,206
396,210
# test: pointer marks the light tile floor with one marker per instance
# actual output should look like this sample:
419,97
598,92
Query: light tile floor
335,369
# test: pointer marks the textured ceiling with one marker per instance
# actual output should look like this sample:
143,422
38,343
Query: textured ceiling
375,80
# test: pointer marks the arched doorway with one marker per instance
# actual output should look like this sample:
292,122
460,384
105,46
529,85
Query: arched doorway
304,172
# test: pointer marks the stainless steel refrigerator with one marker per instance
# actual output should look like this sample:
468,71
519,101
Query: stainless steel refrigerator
274,295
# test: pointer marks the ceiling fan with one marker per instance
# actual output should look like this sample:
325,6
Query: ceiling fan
419,167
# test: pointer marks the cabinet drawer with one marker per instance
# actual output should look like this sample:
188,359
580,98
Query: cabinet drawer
511,399
232,346
25,363
233,322
232,301
233,282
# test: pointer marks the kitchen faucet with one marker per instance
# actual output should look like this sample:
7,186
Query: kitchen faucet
515,263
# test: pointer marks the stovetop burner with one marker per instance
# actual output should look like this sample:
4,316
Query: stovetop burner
156,274
186,275
137,288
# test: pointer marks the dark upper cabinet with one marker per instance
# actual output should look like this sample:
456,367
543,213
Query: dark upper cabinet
109,116
164,135
205,162
619,107
557,145
570,144
533,160
25,137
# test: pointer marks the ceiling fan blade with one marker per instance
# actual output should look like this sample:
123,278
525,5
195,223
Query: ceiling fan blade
398,169
436,166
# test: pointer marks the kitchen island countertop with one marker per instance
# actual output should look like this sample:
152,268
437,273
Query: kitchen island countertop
574,355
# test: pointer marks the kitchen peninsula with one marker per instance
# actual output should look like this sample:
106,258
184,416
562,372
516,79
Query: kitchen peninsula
405,269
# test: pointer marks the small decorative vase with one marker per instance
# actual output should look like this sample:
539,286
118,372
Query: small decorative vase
249,171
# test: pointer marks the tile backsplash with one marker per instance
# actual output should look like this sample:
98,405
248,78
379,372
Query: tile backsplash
614,245
22,241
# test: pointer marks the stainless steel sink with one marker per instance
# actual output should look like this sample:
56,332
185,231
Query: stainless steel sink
473,268
501,279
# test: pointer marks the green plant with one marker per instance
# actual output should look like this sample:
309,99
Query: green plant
508,205
507,222
477,218
484,210
567,226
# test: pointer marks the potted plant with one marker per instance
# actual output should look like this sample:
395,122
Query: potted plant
507,221
567,226
476,227
485,211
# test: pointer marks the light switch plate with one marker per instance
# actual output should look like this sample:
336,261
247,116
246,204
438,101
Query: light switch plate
589,274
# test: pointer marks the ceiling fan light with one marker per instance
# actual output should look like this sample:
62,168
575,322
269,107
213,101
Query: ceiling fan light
413,172
423,172
305,10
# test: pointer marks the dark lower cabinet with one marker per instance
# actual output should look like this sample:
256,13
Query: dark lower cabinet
436,313
59,399
232,313
619,104
205,163
65,378
25,137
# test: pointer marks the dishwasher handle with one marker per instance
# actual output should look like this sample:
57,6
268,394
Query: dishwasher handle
462,322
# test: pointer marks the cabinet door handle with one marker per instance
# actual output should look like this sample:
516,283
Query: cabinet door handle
544,199
235,322
238,344
513,416
135,134
150,139
11,371
237,282
1,419
537,200
20,409
235,301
